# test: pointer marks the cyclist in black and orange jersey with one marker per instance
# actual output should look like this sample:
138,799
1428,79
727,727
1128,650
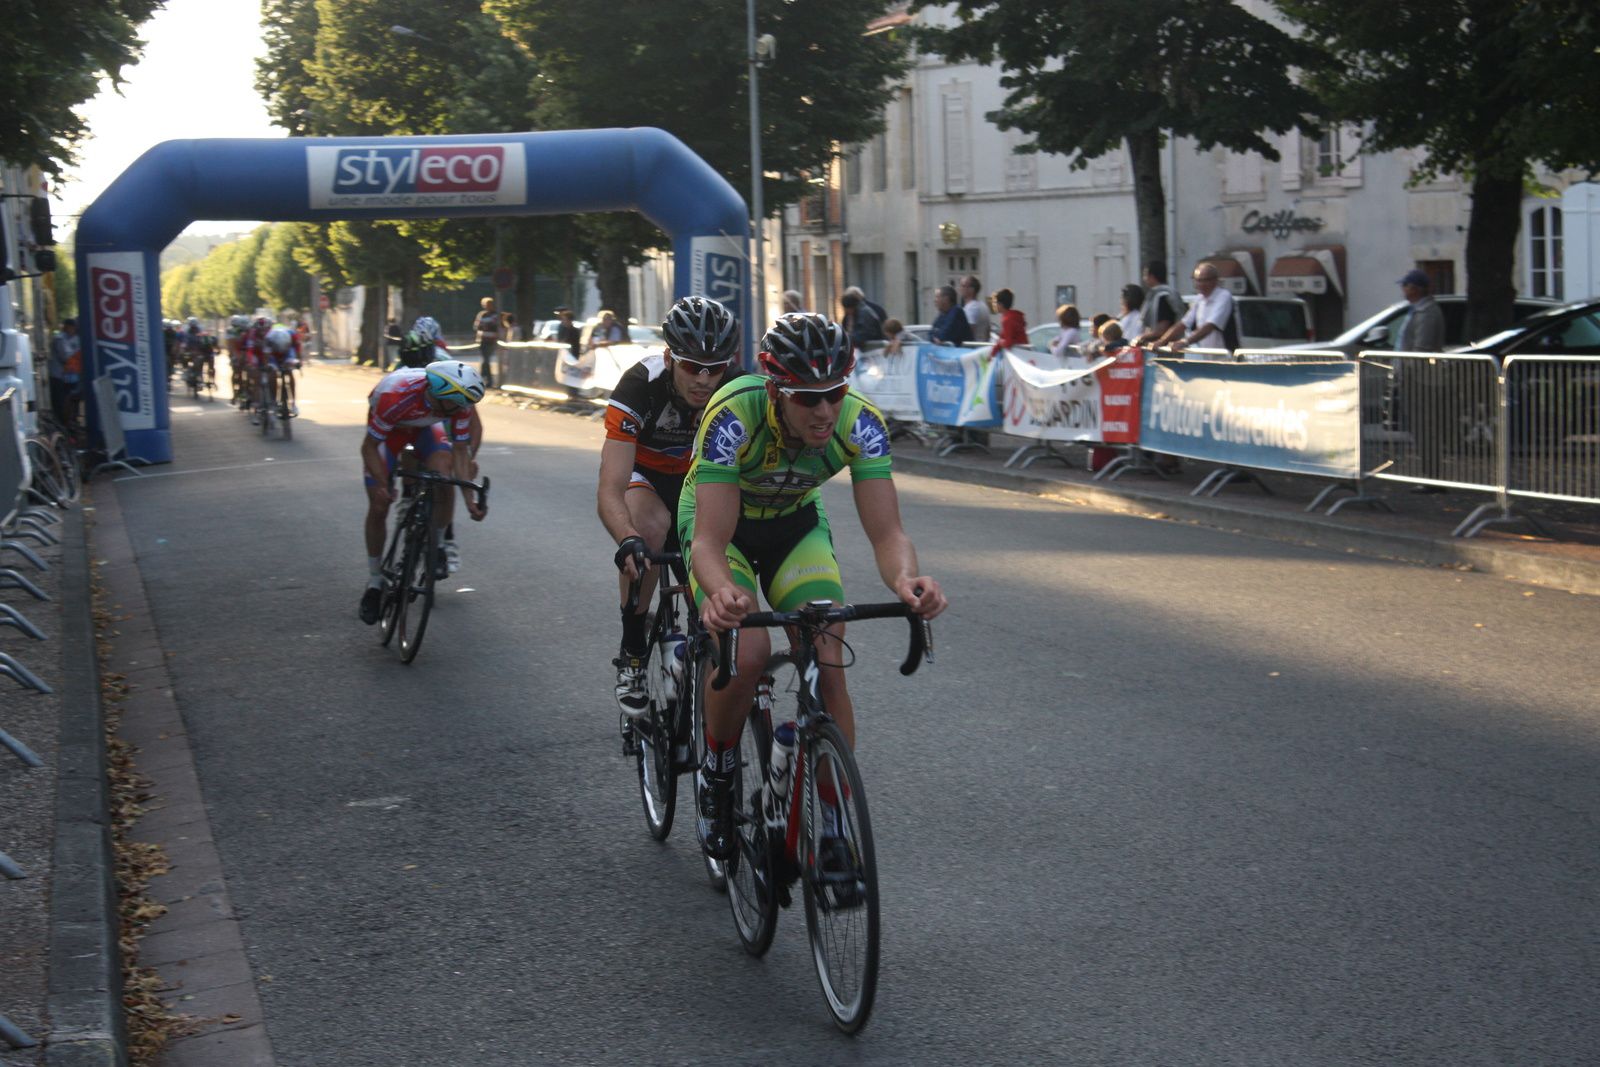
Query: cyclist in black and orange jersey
650,427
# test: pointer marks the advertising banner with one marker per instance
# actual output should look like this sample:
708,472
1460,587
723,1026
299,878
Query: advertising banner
717,270
419,175
600,368
1301,418
956,387
122,342
1059,401
889,381
1121,386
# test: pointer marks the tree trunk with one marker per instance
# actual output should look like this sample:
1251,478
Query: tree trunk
411,293
1150,203
611,278
373,313
1491,253
522,296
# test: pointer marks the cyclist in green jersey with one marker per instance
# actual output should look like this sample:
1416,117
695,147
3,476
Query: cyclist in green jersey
751,517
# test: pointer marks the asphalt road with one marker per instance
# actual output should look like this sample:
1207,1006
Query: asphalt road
1170,795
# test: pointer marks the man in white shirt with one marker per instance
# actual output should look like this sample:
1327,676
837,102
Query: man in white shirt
976,310
1208,322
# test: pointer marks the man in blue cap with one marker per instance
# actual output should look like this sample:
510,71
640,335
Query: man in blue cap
1423,327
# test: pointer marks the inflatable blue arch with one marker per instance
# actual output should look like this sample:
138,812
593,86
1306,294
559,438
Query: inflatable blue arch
121,235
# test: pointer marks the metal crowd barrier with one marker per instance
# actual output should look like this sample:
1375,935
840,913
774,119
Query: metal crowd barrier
1552,427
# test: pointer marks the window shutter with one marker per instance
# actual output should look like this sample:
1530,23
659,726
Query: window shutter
955,143
1289,163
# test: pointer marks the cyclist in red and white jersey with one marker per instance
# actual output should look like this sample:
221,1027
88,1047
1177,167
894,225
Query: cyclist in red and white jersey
411,407
280,350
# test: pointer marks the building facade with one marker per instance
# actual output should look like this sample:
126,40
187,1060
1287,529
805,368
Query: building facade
943,193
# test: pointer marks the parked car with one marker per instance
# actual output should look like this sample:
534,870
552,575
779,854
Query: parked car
1266,321
1383,329
1558,330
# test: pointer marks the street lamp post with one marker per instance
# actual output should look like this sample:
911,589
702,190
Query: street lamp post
757,50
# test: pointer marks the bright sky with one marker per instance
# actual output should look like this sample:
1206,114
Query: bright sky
195,80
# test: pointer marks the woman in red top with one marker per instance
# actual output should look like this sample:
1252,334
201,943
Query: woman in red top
1013,326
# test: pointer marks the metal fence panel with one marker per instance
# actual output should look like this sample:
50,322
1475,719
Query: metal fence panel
1273,355
1430,418
1553,427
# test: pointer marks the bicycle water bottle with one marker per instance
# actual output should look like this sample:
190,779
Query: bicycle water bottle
775,807
674,650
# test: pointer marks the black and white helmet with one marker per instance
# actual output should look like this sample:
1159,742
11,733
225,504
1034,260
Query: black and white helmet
805,348
701,329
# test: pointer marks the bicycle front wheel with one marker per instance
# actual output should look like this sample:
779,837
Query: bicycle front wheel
416,592
395,570
839,874
653,745
716,870
752,888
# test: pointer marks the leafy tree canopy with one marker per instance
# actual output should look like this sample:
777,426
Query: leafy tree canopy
54,54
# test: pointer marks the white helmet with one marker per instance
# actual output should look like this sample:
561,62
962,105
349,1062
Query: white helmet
279,339
239,322
454,381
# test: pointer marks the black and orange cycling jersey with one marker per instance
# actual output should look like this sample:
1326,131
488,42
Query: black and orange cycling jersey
646,410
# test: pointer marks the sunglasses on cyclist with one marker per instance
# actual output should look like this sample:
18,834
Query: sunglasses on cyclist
810,398
699,369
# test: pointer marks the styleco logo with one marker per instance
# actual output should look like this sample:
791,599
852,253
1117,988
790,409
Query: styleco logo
117,292
416,175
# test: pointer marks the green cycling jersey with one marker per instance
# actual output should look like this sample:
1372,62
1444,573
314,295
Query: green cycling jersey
740,441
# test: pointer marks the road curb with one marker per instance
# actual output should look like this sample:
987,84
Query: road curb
1576,576
84,997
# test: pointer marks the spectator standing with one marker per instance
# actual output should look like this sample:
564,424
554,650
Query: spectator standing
1209,321
1070,319
950,326
66,372
508,327
976,311
567,331
892,330
1013,326
883,316
792,301
608,331
1422,330
1162,307
487,328
391,343
860,321
1131,321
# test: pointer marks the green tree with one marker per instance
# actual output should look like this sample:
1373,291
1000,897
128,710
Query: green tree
1488,88
1085,77
54,53
177,291
283,282
64,283
680,65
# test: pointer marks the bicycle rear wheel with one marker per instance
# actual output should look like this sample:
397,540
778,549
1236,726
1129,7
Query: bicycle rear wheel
841,882
752,887
48,477
416,594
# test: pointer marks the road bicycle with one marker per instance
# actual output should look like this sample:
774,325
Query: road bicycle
670,739
56,462
272,403
411,563
801,811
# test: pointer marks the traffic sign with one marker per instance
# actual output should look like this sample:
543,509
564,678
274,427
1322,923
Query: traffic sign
503,278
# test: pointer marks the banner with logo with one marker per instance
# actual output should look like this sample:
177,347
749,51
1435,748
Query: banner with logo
956,387
717,270
889,381
491,174
1059,401
123,345
1121,386
600,368
1301,418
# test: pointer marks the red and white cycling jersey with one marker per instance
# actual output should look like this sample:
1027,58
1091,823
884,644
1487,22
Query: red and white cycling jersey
400,401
